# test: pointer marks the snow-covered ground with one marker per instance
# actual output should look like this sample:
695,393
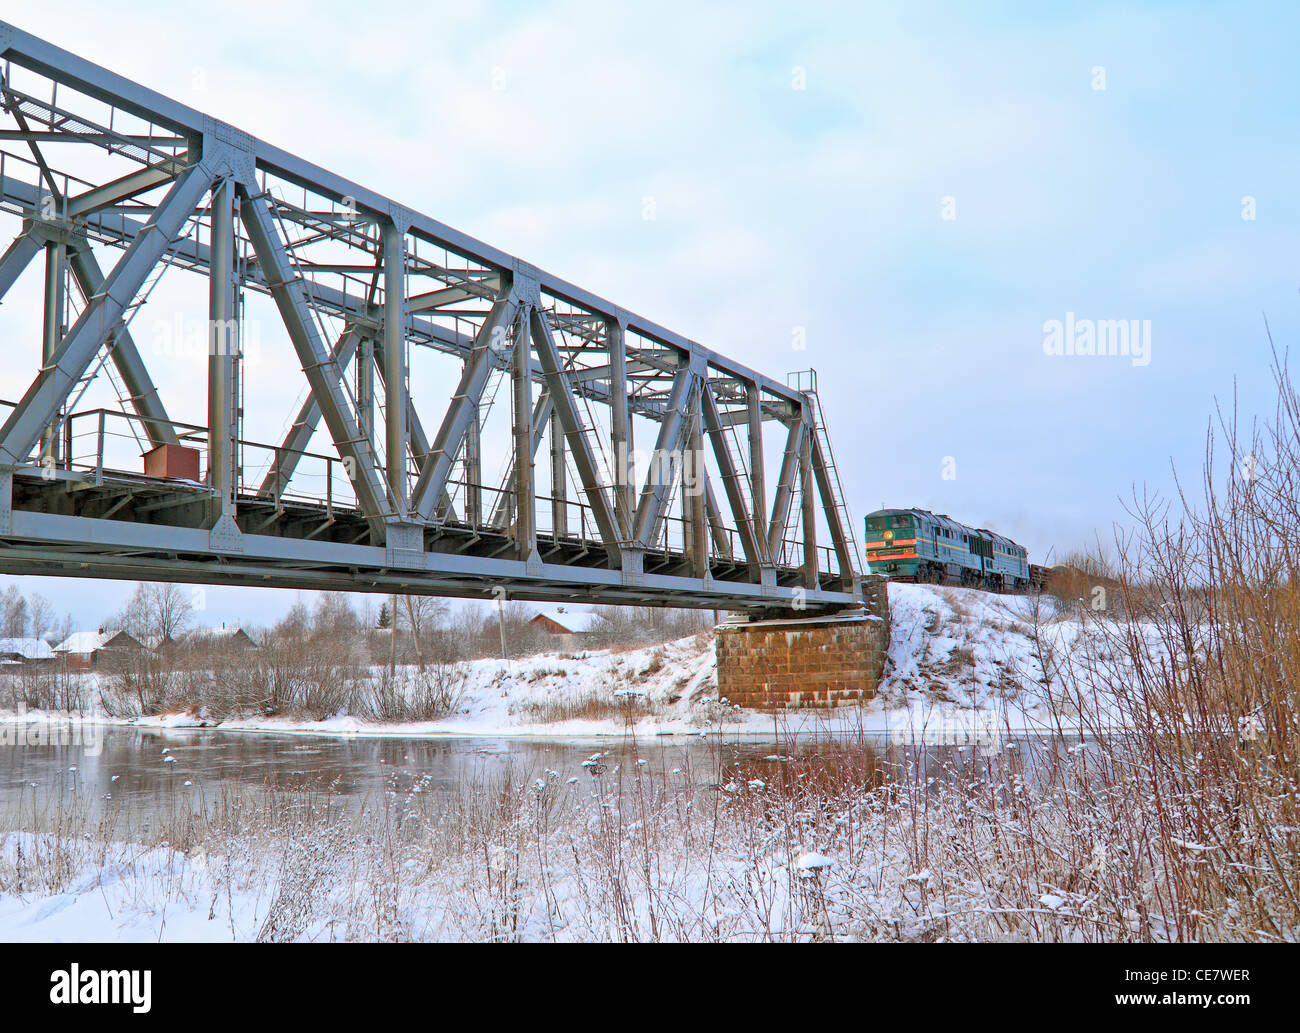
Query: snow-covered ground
654,854
958,659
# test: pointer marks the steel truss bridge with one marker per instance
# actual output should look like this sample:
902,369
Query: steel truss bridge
111,185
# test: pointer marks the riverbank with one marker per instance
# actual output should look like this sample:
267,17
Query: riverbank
961,663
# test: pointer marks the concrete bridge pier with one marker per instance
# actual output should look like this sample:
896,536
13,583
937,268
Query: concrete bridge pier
806,662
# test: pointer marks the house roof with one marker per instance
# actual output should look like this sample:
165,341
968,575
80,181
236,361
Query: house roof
574,622
93,641
81,642
27,648
216,634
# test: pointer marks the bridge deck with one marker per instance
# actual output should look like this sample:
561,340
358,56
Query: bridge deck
119,524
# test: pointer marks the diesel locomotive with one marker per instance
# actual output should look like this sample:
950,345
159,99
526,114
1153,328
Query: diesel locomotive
917,545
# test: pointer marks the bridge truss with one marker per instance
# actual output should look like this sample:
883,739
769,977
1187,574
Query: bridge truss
110,186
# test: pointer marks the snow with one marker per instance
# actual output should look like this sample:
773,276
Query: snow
812,861
964,666
27,648
81,642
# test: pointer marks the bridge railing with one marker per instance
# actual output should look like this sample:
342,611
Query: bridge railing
104,442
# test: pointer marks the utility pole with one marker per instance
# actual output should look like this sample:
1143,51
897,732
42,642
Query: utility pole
392,639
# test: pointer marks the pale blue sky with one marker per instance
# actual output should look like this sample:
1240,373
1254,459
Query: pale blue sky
821,207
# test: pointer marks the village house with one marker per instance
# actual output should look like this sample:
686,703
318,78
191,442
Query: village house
569,627
24,652
222,641
86,650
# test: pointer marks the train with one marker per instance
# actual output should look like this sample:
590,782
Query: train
917,545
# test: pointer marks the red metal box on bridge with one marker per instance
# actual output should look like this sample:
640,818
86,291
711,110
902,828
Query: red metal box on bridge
173,461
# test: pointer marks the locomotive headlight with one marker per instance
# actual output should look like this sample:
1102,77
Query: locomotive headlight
888,535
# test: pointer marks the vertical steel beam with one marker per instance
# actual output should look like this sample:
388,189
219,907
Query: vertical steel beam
559,499
56,261
620,428
395,385
780,522
845,553
757,475
474,469
365,379
504,509
808,500
521,383
693,482
49,390
222,342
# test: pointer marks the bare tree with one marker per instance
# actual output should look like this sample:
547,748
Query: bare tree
15,618
420,614
294,624
40,614
171,608
158,611
334,612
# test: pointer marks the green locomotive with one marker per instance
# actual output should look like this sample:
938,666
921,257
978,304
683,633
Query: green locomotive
917,545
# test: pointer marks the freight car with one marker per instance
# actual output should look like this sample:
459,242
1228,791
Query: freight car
917,545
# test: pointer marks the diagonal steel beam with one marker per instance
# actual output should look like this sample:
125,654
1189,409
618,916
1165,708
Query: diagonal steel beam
85,268
562,398
100,318
754,553
122,189
418,440
322,371
17,257
658,482
308,419
450,295
717,526
304,426
144,397
485,356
